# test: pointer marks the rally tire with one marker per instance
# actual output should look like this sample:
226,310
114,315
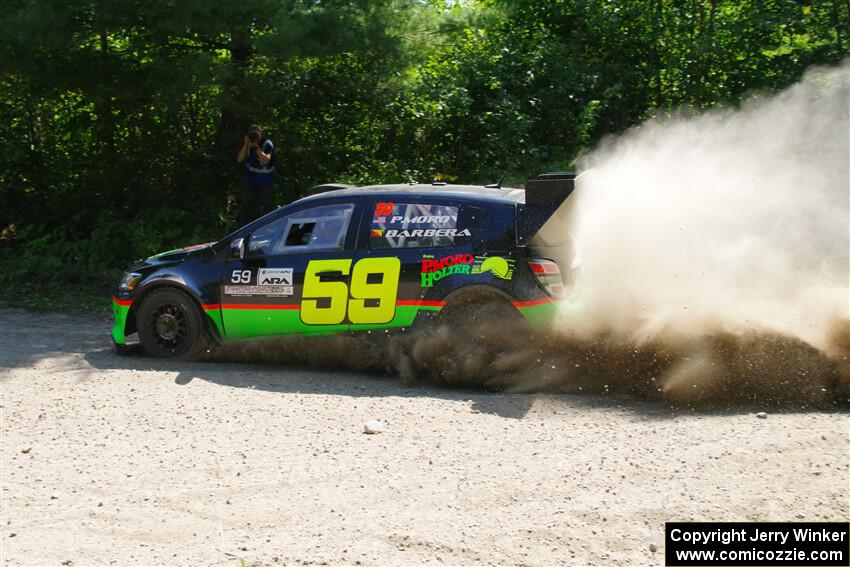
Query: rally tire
478,316
469,340
170,325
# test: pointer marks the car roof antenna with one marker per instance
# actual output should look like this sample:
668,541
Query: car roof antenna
496,185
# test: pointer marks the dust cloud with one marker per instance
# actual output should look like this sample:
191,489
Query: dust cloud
715,266
735,218
722,241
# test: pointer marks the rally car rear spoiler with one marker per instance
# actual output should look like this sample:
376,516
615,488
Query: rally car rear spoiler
543,197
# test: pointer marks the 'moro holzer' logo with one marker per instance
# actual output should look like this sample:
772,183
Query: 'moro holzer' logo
436,269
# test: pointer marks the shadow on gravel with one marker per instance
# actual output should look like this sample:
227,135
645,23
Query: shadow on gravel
294,377
29,336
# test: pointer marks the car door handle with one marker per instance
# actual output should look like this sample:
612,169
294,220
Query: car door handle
331,276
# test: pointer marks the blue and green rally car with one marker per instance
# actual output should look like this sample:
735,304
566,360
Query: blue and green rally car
386,257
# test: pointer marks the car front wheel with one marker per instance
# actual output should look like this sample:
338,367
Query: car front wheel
170,325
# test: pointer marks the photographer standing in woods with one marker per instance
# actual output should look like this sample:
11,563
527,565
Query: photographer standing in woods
258,154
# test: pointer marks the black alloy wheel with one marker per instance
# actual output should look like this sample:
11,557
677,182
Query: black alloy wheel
170,324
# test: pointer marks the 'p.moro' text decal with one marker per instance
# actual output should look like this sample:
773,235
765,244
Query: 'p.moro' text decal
415,225
422,219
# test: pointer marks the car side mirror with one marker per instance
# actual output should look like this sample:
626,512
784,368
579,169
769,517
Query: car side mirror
237,249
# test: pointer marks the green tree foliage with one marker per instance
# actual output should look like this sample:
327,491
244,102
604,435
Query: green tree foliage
120,119
540,80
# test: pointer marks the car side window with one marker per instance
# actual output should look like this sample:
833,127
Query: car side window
319,228
422,225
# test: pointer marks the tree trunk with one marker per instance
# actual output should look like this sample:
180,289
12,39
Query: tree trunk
36,149
109,180
707,55
107,128
656,22
836,19
232,122
847,3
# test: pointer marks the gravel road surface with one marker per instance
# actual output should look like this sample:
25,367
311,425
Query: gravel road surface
137,461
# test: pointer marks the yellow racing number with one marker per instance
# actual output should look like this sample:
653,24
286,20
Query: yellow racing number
374,287
374,279
334,291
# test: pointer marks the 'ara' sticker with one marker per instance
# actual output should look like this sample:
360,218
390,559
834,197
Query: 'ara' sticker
274,276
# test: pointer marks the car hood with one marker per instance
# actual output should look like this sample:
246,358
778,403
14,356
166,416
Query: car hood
178,254
172,256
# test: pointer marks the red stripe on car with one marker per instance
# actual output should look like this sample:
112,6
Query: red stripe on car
290,306
419,303
533,302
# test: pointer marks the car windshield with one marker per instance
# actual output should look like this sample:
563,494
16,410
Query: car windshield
224,242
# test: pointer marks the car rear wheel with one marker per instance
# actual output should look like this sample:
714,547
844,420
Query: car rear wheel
480,317
170,325
478,343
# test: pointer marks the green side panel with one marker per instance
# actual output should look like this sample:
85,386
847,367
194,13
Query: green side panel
540,316
246,323
215,316
119,313
404,317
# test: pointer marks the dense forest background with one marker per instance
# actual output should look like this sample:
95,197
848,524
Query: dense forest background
120,119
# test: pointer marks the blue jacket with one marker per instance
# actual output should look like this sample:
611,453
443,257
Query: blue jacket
255,172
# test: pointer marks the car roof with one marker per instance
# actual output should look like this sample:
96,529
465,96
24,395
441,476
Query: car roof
474,192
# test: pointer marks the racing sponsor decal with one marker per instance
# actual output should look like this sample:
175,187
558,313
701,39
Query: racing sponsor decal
423,219
436,269
275,276
502,268
267,290
415,225
426,232
271,282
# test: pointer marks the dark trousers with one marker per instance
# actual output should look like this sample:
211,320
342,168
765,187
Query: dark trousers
254,196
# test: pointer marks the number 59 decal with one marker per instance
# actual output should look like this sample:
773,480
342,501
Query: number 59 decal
373,290
240,276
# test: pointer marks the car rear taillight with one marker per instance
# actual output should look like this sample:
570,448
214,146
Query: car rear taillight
549,276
